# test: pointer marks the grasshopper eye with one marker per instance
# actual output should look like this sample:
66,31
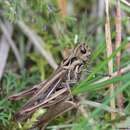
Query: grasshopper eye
83,50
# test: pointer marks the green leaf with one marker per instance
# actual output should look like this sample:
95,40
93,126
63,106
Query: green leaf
91,86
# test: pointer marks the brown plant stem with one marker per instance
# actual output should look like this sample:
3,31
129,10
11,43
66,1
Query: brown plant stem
109,52
63,7
120,98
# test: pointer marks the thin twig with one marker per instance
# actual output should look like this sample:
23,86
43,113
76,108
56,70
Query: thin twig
122,71
38,43
109,52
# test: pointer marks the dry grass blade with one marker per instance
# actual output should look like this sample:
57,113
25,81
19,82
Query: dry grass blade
38,43
11,43
4,50
109,52
101,8
101,106
125,2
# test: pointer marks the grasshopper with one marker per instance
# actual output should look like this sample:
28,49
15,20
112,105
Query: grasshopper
56,88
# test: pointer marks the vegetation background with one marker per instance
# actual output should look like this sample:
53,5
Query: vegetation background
34,37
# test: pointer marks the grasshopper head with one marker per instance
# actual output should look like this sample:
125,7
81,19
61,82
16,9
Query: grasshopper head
82,52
